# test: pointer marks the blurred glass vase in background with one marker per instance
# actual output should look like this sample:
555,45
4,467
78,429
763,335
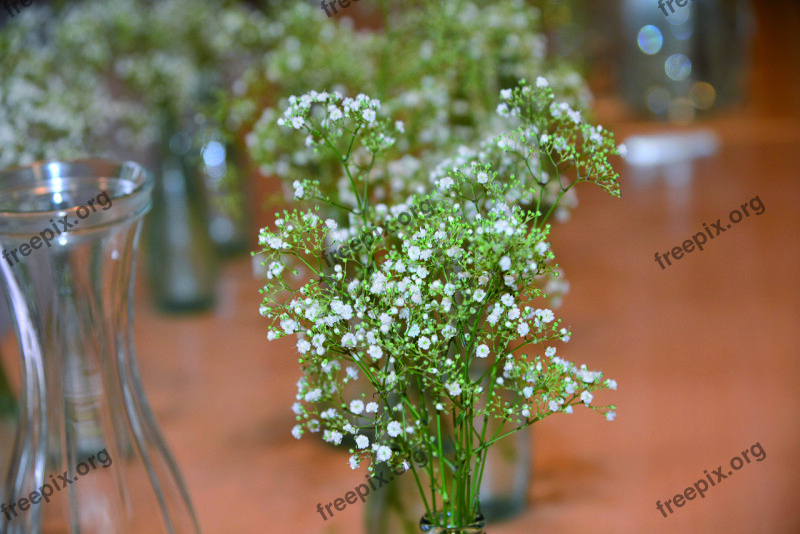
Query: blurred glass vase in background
679,61
88,456
228,206
181,258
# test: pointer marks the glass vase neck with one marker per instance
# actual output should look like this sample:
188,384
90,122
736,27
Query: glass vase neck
475,527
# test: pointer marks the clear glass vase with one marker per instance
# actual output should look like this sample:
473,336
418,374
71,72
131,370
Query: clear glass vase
181,262
225,182
476,527
88,457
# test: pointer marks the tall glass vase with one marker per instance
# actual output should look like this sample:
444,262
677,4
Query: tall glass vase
181,261
88,457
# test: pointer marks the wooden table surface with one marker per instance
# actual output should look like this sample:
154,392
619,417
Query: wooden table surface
706,353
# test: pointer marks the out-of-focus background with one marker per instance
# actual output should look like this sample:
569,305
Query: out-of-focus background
706,351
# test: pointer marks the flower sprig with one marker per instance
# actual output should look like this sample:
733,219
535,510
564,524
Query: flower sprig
441,320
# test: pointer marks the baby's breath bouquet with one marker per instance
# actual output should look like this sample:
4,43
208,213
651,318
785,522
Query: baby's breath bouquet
436,311
94,76
51,107
436,66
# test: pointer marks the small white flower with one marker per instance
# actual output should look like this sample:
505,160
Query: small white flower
586,397
333,437
399,126
369,115
297,431
564,335
362,442
546,315
525,412
439,406
297,122
275,242
610,415
550,352
446,304
330,223
527,391
313,395
414,252
505,94
541,82
449,289
334,114
612,384
303,346
357,406
375,351
523,329
505,263
482,351
623,151
394,429
424,343
587,376
384,453
354,462
483,177
513,313
446,183
448,332
297,408
349,340
298,189
479,295
507,300
568,409
372,407
453,388
554,406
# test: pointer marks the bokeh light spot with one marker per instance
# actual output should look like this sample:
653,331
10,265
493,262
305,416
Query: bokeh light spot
658,99
678,67
650,39
702,95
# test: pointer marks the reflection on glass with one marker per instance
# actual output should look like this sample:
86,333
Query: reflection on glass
688,62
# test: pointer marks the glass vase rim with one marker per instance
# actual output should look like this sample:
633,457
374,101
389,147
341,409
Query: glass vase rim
127,184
